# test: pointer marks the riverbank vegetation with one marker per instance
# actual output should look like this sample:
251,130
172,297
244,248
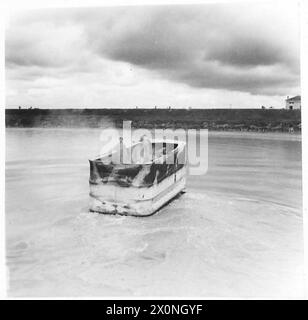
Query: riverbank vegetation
213,119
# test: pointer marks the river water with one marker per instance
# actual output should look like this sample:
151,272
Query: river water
236,232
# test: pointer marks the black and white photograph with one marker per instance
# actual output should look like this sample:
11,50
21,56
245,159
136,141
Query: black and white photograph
154,151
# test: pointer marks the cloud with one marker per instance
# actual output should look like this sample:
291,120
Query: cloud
249,49
209,46
43,44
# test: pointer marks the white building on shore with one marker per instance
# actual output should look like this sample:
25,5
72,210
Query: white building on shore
293,103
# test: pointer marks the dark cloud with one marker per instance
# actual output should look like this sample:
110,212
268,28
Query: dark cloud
249,48
245,52
209,46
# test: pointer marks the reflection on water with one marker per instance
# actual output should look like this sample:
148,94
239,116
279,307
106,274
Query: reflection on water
236,232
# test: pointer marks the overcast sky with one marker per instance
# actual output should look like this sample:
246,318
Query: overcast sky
203,56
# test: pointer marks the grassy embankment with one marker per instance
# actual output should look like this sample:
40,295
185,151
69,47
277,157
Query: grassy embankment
212,119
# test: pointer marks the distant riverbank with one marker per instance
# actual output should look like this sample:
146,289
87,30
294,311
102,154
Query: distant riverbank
256,120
